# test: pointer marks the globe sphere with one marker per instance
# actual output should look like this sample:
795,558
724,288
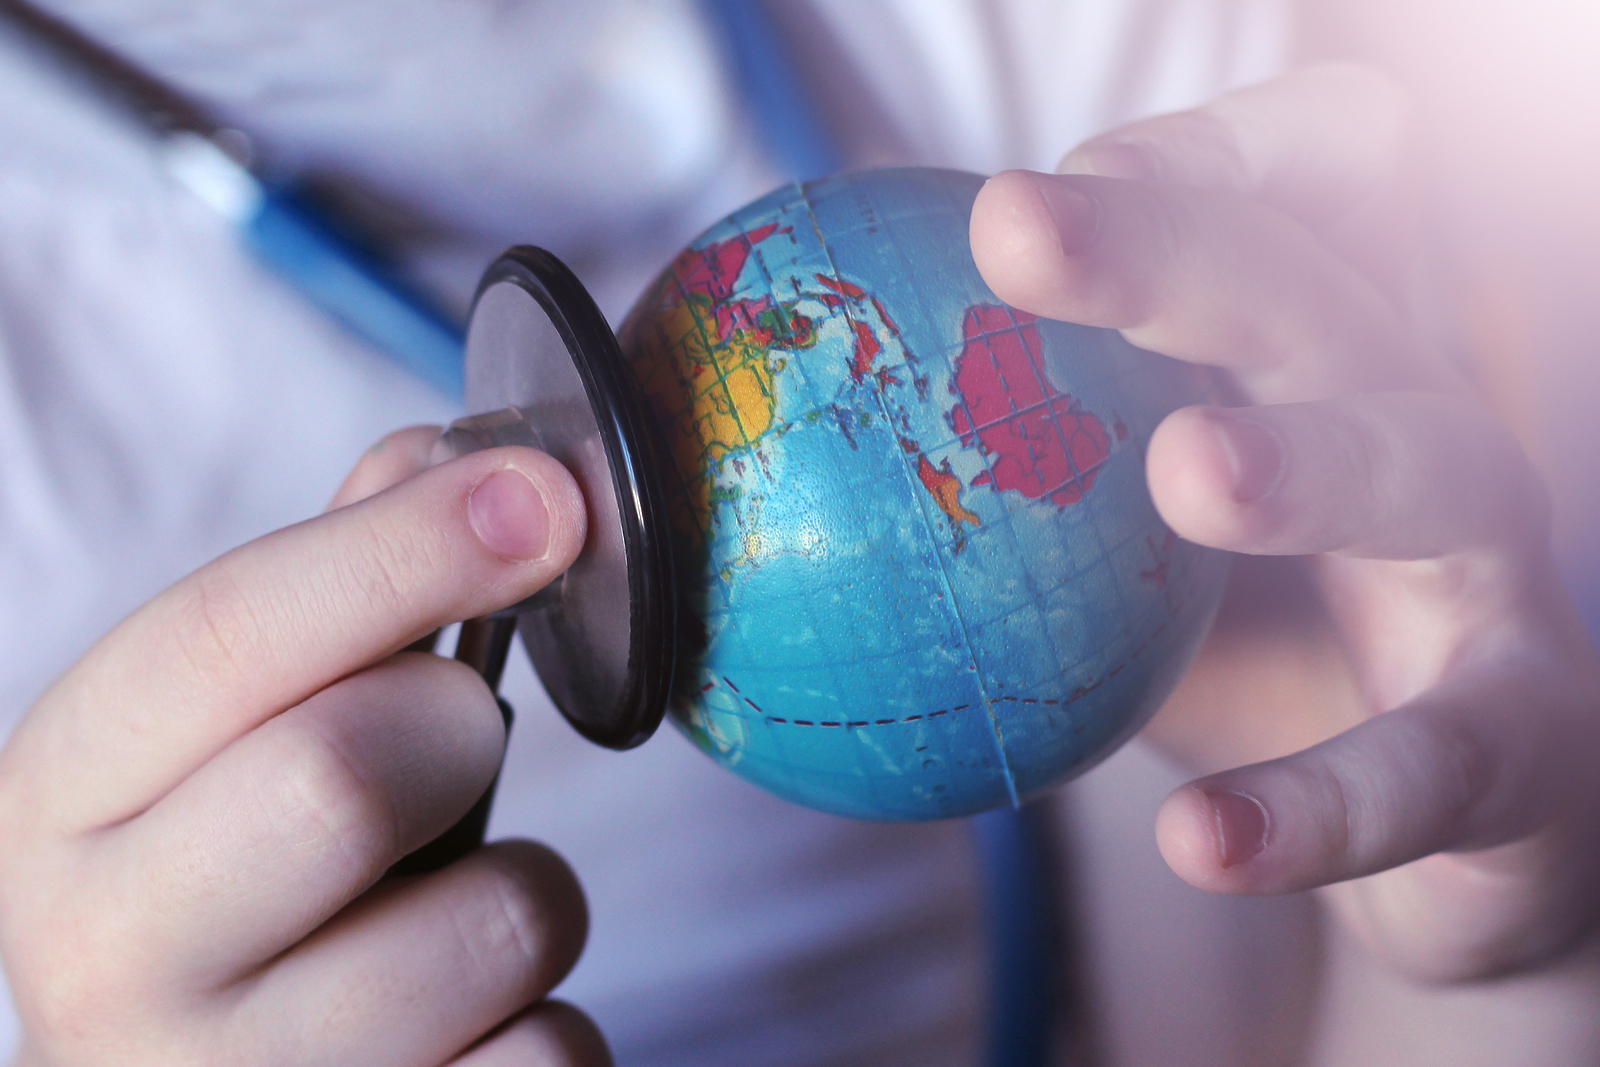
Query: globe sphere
919,569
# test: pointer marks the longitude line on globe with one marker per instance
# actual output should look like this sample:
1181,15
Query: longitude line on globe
1013,843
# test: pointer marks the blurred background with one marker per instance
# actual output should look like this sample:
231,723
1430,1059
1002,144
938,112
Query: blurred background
163,397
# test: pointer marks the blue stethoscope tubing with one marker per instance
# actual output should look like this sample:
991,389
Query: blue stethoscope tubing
286,229
1016,847
304,246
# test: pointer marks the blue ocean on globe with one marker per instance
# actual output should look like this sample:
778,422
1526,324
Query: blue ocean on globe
920,569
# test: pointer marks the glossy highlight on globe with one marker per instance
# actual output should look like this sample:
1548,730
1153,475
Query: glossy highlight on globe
921,575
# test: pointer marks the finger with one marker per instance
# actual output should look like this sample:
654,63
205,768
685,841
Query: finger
1382,475
389,462
551,1034
270,623
1333,145
1205,277
1448,772
419,971
301,815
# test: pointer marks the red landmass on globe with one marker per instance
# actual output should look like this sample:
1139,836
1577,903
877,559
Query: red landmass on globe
842,287
713,270
1040,442
866,347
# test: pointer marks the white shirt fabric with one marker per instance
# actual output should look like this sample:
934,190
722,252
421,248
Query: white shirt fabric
163,398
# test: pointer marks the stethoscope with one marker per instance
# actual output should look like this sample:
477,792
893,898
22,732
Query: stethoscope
539,349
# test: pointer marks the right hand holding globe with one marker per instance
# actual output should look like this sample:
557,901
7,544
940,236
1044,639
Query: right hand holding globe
1412,696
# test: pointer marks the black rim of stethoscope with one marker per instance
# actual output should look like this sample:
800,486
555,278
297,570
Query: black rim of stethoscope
619,412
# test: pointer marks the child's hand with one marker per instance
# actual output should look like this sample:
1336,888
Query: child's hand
195,818
1413,691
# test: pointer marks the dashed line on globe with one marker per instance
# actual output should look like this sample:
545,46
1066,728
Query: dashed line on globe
1076,695
863,722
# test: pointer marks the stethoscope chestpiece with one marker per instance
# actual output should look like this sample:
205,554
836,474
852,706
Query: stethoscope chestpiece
543,369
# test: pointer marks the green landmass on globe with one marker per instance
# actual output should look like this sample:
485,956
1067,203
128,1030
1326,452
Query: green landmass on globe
920,595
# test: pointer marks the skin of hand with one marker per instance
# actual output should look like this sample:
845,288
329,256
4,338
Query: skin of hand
197,818
1397,703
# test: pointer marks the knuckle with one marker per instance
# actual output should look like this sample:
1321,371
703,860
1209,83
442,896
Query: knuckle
1364,454
517,922
323,806
1214,141
1169,226
1351,478
382,575
532,916
1462,767
389,571
1356,96
1337,827
219,628
1131,288
1422,760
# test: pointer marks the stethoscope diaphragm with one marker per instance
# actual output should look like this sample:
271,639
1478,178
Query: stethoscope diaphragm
543,369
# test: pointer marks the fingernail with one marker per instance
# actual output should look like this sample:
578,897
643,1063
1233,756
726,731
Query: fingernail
1255,455
1241,826
1115,160
509,515
1076,215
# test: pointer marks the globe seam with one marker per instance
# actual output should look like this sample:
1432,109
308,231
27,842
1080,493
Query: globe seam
944,574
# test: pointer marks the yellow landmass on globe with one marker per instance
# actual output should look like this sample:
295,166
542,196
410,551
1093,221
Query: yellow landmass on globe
719,387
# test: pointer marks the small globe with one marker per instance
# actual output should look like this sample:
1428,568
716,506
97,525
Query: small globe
920,572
